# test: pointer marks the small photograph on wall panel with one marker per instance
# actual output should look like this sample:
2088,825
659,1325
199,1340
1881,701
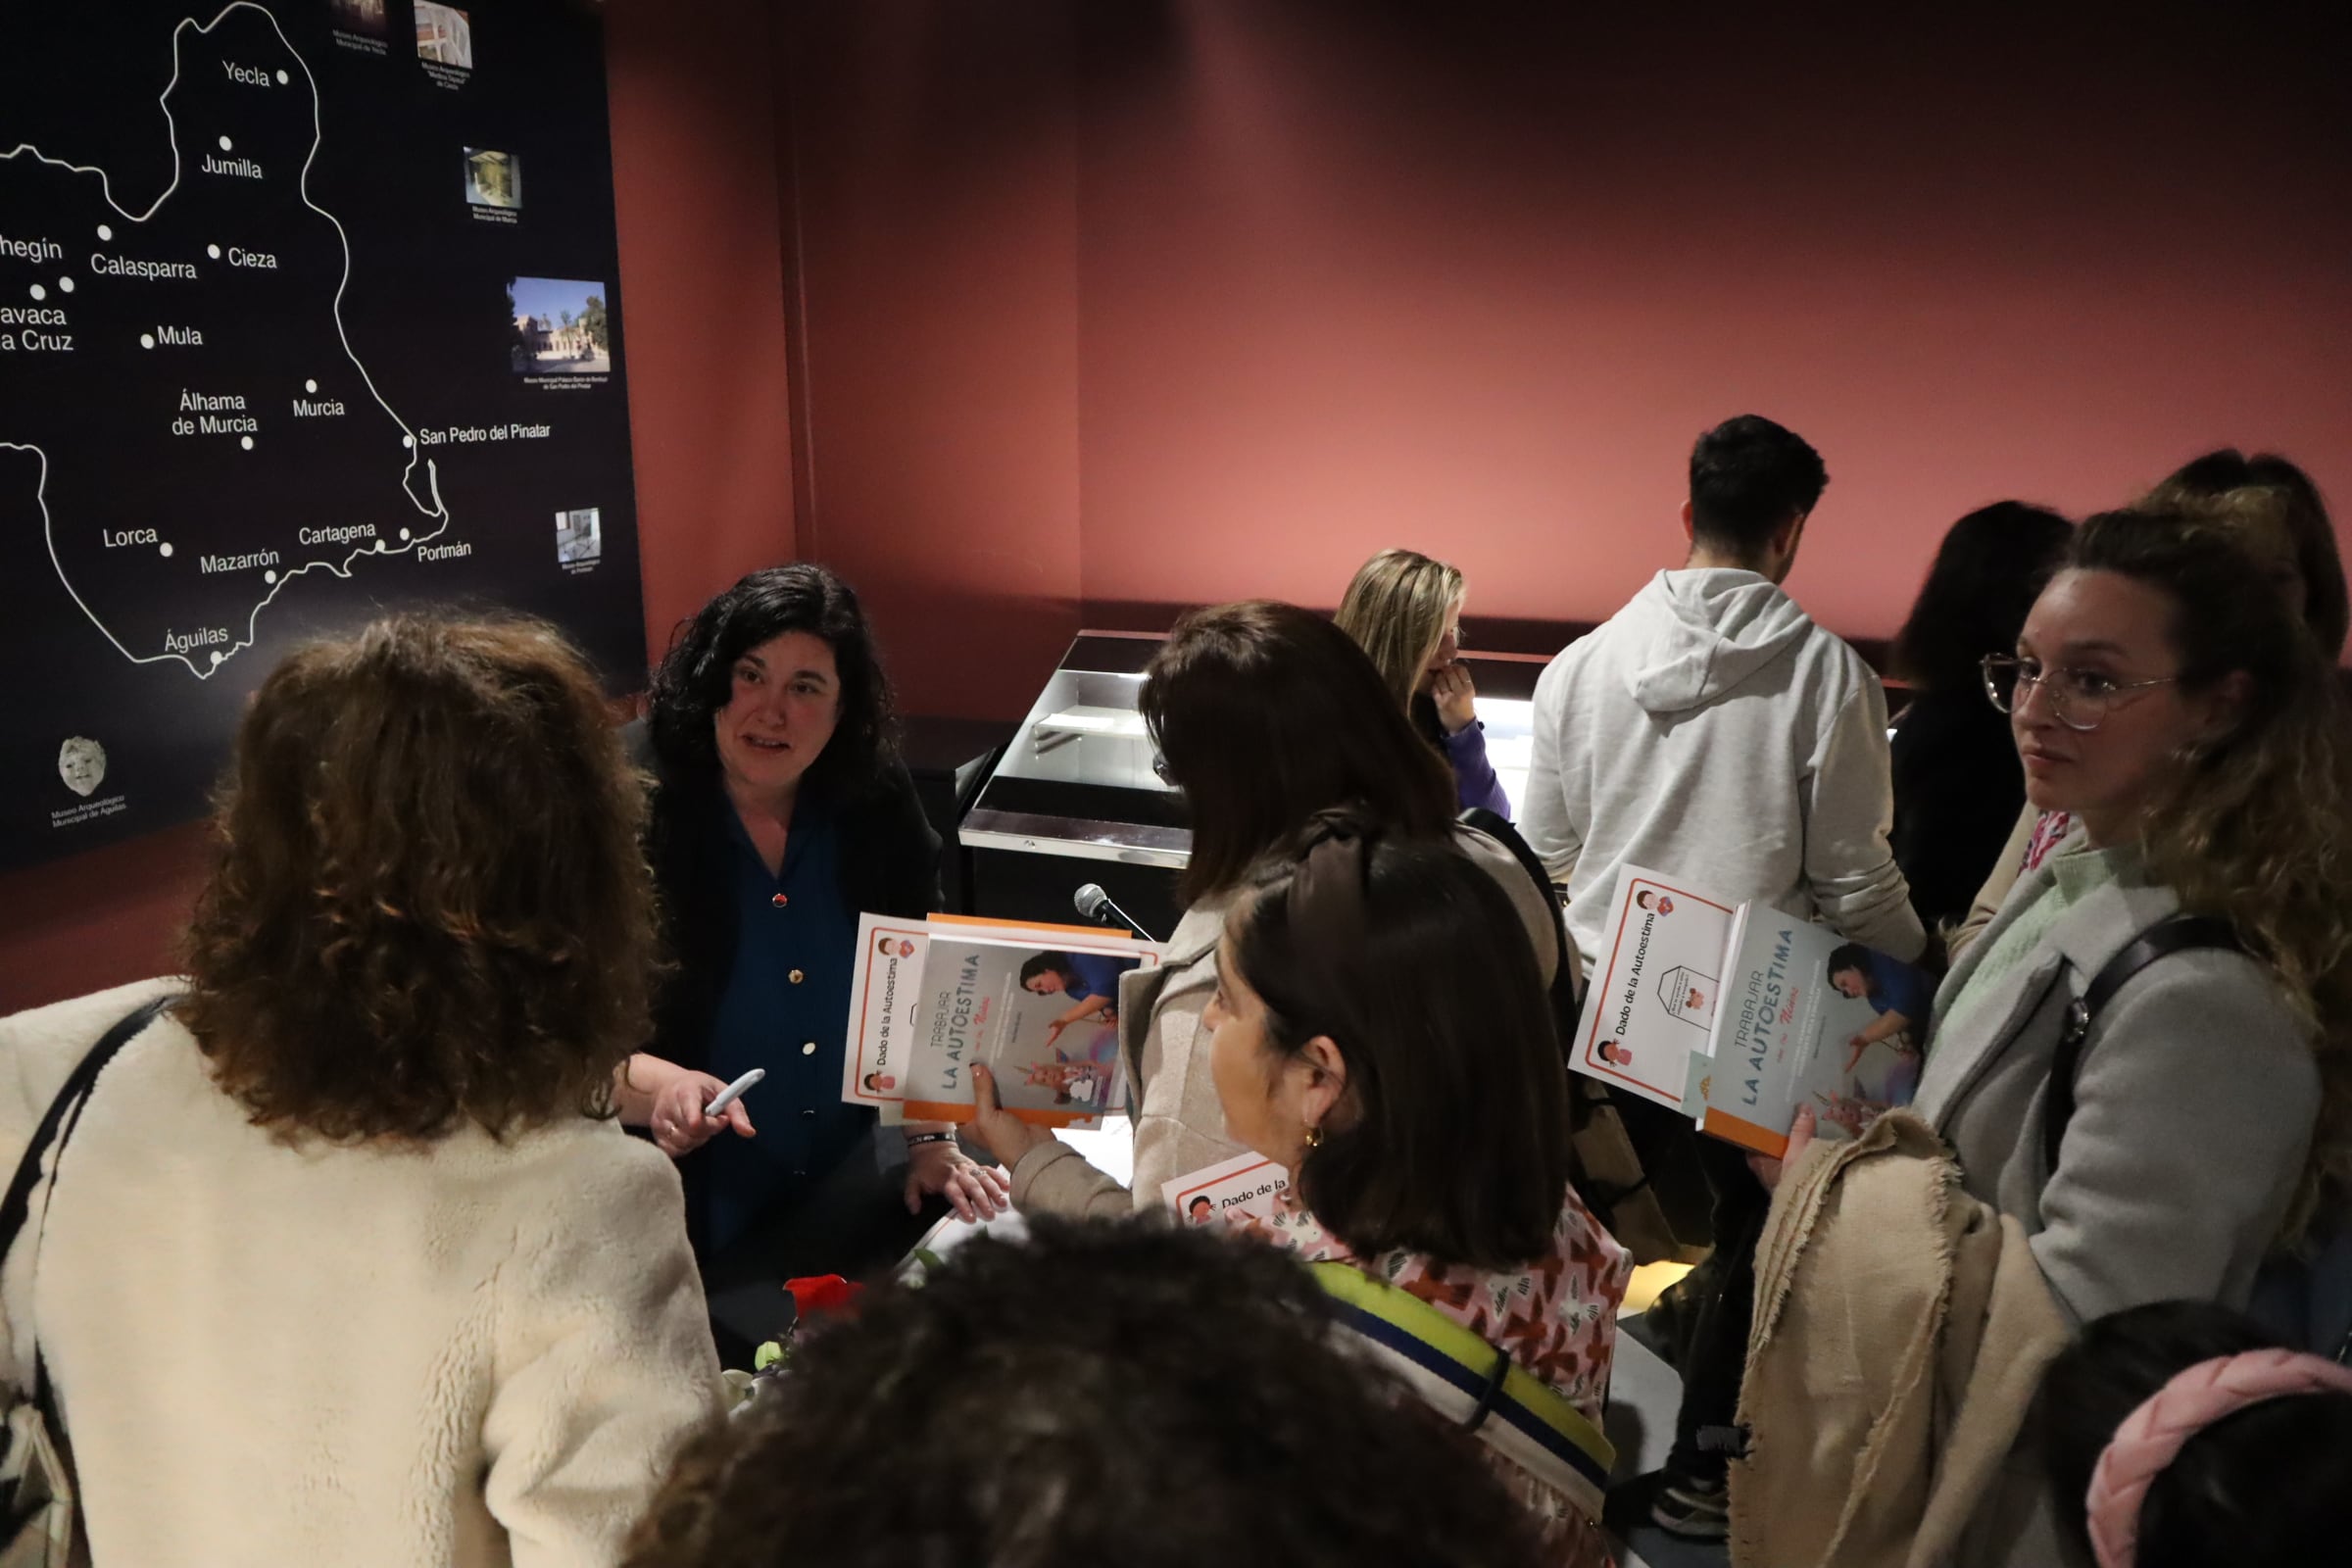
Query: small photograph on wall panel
579,540
562,334
493,182
362,17
444,36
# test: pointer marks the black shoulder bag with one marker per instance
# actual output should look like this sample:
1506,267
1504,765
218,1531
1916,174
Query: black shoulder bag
2175,933
38,1518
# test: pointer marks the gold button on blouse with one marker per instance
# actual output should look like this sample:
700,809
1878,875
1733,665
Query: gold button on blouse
798,977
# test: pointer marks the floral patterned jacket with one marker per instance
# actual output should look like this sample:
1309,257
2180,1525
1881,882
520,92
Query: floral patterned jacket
1557,1317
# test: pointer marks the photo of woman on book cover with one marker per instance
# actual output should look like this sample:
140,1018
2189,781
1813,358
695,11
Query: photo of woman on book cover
1899,992
1042,1019
1091,980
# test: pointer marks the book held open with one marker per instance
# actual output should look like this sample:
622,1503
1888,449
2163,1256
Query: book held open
1740,1015
1037,1003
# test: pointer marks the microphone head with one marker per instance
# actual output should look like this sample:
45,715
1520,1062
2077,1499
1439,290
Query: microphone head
1091,900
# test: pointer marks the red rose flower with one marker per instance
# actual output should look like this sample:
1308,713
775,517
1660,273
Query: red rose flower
821,1294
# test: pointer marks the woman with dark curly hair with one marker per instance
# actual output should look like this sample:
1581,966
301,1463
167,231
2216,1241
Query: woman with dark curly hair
780,813
344,1261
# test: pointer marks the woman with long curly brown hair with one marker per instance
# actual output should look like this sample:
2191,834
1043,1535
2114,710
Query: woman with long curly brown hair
2156,1104
2164,696
2270,509
347,1261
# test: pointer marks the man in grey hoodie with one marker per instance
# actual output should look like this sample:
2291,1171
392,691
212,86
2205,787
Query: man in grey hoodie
1711,730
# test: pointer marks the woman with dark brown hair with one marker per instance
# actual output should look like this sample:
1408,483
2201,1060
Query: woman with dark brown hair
1372,1036
1264,715
346,1259
1957,784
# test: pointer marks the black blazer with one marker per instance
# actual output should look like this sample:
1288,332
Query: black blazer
889,866
1958,787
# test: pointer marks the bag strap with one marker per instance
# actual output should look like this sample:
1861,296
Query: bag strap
2175,933
63,1111
57,1126
1474,1382
1494,825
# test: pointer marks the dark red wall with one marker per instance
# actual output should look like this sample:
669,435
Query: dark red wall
1471,278
702,246
934,149
1270,286
701,250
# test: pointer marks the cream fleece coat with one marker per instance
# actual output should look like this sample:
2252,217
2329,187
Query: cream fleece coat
472,1354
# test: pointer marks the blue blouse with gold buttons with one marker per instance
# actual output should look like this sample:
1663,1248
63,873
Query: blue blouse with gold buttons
785,1007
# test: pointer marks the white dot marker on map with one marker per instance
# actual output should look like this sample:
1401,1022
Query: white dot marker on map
146,340
309,386
104,232
213,251
246,442
283,79
65,284
270,575
164,547
215,656
39,293
225,144
408,440
404,533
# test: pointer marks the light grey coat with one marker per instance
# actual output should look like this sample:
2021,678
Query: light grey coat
1179,1122
2195,1103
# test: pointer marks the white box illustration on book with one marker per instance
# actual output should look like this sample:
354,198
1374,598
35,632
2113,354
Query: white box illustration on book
1662,944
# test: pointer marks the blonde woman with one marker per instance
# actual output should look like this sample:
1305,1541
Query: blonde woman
1405,610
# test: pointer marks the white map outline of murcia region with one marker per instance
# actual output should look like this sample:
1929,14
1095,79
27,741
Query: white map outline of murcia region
203,435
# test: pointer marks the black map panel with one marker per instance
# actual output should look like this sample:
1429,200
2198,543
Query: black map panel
308,312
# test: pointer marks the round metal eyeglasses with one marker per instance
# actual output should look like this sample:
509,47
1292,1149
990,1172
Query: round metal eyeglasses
2080,698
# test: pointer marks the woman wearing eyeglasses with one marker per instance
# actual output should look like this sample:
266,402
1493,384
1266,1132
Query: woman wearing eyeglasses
2163,697
2272,511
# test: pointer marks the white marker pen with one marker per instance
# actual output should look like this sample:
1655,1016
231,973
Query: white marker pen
734,1090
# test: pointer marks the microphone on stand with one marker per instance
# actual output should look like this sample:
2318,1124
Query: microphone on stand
1094,904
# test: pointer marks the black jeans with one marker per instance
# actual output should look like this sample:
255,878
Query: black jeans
1718,1351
